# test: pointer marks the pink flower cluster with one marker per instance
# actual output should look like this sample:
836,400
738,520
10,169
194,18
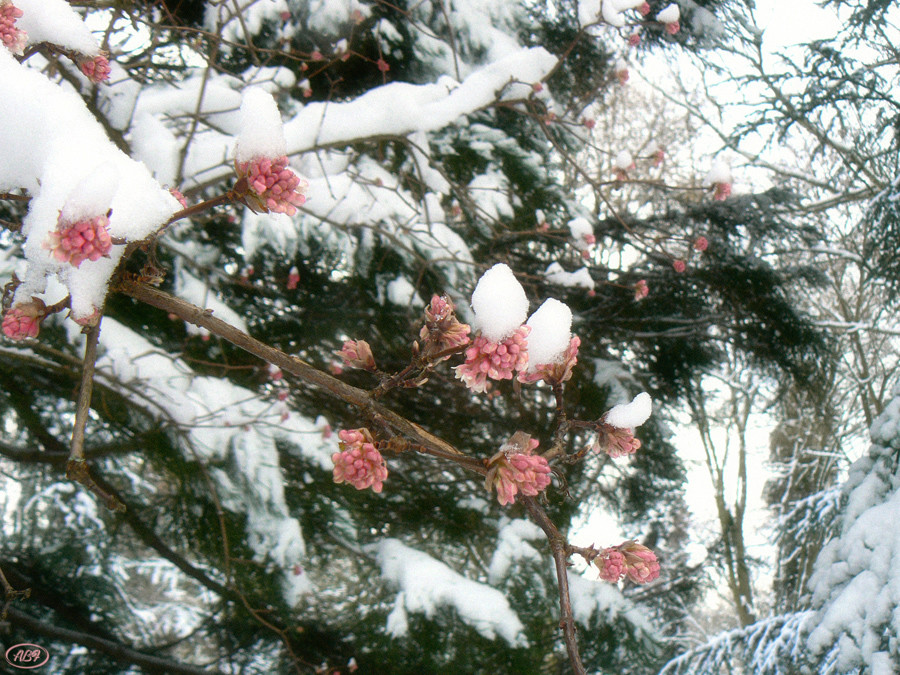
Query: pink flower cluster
555,373
629,559
24,320
76,242
701,244
615,442
641,289
96,69
442,330
293,278
357,354
495,360
359,462
12,38
514,469
721,191
272,184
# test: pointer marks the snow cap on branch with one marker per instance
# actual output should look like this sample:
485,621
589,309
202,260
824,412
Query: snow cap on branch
262,133
57,22
499,303
630,415
671,14
551,330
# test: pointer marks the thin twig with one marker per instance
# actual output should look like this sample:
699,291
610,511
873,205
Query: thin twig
559,548
76,468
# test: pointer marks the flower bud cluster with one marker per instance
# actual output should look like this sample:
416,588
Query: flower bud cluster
515,470
614,441
442,330
76,242
359,462
96,69
24,320
357,354
272,185
12,38
555,373
495,360
629,559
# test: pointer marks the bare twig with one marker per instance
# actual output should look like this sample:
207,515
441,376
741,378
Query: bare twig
76,468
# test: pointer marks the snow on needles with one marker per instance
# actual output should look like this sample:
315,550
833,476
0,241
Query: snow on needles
630,415
499,303
856,581
427,584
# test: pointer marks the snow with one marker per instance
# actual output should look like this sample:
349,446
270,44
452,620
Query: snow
72,171
56,22
551,330
580,228
580,278
670,14
624,160
855,585
512,545
427,584
719,172
226,426
401,292
630,415
499,303
261,129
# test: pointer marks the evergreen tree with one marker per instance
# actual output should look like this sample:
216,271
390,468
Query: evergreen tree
434,139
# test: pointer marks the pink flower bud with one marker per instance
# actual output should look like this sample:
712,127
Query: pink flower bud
629,559
442,330
317,56
641,290
589,123
23,320
271,185
722,191
357,354
679,266
293,278
616,442
180,197
359,462
515,470
383,65
673,27
634,40
555,373
96,69
701,244
495,360
76,242
14,39
644,8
